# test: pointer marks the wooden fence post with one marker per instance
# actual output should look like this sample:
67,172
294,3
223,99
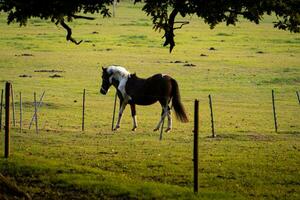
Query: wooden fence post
1,109
274,110
196,131
161,129
13,106
298,96
83,109
212,116
7,120
21,125
114,7
35,114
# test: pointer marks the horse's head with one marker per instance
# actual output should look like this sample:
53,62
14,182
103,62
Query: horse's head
106,82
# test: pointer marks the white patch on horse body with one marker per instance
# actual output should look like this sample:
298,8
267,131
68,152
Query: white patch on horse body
120,74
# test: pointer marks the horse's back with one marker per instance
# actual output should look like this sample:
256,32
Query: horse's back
160,77
158,83
150,90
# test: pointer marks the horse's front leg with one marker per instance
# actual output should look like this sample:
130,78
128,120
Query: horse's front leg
122,108
133,114
163,115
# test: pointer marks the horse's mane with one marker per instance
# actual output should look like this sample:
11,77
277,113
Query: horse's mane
118,70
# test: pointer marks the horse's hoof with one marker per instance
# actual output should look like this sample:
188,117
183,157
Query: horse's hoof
116,128
133,129
168,130
156,129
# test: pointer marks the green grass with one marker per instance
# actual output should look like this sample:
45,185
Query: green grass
246,161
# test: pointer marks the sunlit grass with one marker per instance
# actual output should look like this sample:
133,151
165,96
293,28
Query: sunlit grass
246,161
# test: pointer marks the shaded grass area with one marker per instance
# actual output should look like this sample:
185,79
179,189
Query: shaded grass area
288,81
130,166
77,182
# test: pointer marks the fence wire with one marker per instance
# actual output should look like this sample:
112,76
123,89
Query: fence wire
232,112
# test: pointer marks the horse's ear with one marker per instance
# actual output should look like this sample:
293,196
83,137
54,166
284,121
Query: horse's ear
103,68
134,75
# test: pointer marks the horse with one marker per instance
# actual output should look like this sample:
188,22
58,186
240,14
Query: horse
133,90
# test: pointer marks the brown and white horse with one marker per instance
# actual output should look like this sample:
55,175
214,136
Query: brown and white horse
133,90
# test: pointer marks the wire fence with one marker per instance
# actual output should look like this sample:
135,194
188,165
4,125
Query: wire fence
88,111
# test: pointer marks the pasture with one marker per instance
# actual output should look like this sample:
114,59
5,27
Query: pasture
238,66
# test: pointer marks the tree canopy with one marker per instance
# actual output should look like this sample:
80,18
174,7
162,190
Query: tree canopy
162,12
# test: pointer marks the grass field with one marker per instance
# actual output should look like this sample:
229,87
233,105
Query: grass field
247,159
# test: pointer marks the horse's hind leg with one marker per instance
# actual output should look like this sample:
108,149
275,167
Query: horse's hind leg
169,120
133,114
163,115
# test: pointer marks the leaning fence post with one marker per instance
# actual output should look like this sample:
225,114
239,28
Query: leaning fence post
1,109
13,106
161,129
274,110
21,125
298,97
39,104
83,109
7,120
35,114
196,130
212,116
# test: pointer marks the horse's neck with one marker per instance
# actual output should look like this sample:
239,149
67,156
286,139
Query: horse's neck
119,77
115,83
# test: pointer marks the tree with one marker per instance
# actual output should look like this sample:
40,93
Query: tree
162,12
58,11
214,12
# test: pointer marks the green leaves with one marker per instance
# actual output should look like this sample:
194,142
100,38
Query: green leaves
218,11
161,12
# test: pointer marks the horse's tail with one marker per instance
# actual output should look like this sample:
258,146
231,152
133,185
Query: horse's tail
176,103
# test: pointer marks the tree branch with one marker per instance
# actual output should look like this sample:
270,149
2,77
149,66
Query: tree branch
82,17
182,24
69,32
169,30
12,189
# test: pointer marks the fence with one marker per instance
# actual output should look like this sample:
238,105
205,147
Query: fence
9,96
88,111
